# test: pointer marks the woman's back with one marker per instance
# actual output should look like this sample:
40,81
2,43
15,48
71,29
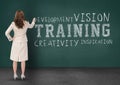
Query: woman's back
19,33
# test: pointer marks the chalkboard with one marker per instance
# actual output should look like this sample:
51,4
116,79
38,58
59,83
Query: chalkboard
53,42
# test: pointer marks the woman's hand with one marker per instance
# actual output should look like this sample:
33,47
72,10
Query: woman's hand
13,38
34,20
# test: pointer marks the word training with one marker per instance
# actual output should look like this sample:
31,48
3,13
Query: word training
90,30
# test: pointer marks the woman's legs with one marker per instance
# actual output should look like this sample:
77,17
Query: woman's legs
15,67
23,67
15,70
23,70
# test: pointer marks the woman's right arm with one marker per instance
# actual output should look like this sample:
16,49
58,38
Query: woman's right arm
7,33
32,24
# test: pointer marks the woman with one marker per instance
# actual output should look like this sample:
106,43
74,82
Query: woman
19,50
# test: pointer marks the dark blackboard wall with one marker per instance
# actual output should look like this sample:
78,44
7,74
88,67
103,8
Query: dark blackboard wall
81,56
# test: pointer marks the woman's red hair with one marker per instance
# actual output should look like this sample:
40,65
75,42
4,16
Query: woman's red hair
19,19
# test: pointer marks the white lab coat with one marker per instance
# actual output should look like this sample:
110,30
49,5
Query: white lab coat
19,49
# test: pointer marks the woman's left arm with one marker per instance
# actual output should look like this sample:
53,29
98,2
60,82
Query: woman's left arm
7,33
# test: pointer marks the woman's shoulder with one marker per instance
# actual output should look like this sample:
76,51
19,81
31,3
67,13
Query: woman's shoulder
26,21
